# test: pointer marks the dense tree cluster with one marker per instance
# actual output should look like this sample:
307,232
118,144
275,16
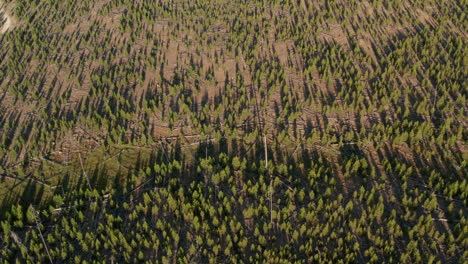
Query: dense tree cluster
361,104
227,209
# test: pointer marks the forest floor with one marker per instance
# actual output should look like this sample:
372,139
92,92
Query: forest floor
8,20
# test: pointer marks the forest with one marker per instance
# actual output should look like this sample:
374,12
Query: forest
233,131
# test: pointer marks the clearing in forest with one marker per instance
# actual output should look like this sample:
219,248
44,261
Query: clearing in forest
6,19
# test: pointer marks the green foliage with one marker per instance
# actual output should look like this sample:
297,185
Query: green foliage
233,131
